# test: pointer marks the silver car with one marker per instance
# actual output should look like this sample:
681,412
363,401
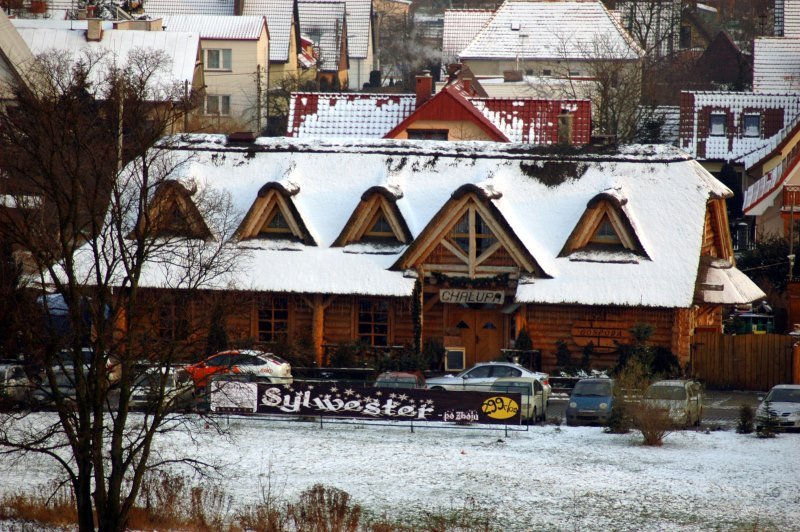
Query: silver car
481,376
784,399
14,385
682,399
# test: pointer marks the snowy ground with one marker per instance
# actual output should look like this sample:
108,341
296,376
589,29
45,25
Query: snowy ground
545,478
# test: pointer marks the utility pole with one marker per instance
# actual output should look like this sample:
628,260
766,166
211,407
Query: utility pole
186,105
258,99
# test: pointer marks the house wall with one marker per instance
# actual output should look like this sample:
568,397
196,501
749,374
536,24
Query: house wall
532,67
248,58
457,130
279,71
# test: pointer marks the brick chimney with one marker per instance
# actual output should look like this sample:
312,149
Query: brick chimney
424,87
94,30
565,127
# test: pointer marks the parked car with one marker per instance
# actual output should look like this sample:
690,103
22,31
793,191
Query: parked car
784,399
43,395
683,399
590,402
177,394
14,385
534,406
481,376
241,361
400,379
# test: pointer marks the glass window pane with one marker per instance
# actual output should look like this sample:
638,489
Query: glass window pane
212,58
717,124
226,59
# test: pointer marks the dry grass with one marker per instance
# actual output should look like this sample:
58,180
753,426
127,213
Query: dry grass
57,510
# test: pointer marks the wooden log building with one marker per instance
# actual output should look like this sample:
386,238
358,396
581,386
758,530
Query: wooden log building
463,243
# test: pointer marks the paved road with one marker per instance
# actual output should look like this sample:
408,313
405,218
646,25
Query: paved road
720,409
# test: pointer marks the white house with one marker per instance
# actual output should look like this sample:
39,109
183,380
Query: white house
236,65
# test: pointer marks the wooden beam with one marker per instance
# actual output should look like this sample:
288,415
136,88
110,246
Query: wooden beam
318,328
472,246
430,303
488,253
454,250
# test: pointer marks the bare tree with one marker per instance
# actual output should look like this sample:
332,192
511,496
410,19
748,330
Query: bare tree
82,153
602,71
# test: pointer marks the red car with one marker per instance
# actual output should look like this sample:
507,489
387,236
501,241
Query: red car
257,363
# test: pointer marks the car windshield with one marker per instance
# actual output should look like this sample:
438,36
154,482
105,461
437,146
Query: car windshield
784,395
669,393
592,389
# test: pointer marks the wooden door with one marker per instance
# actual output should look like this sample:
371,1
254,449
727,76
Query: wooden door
480,332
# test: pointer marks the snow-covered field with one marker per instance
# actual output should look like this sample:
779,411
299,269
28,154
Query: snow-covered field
548,477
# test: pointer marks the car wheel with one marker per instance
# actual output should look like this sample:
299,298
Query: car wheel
534,419
437,388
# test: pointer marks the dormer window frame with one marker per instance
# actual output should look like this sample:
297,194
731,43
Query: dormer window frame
273,198
604,211
375,204
717,123
170,198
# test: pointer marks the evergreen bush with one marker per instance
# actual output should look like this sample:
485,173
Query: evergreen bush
767,421
746,418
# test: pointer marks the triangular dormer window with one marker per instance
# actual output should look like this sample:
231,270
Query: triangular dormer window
273,216
605,234
377,220
172,213
477,234
276,226
469,237
380,228
603,228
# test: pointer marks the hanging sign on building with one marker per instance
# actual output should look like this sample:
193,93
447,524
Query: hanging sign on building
466,295
338,399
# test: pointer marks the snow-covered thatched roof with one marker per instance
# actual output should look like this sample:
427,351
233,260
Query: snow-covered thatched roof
540,194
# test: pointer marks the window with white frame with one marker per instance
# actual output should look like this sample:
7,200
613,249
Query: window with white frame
717,124
218,59
218,104
752,125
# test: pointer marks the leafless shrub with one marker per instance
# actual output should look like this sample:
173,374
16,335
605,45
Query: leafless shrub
653,423
325,509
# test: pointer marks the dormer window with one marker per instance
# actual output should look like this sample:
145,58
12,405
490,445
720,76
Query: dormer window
172,213
274,216
376,219
717,124
603,228
276,226
515,26
752,125
380,228
605,234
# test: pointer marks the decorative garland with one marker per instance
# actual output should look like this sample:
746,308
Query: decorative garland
416,314
465,282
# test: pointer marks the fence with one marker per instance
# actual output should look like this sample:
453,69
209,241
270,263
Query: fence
745,361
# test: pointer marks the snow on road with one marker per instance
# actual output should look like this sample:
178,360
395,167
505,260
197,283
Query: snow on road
545,478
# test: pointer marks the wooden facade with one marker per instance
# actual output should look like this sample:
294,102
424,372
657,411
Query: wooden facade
436,250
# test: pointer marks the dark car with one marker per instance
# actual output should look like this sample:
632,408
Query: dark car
170,386
43,395
400,379
591,402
